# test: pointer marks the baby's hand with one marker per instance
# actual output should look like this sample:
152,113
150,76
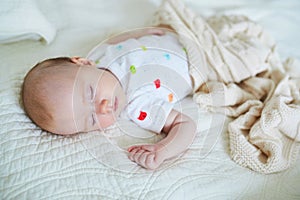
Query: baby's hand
154,31
148,31
148,156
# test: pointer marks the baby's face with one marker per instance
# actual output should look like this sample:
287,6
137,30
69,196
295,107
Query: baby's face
97,100
92,100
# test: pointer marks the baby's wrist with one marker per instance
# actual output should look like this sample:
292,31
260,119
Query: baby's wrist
162,152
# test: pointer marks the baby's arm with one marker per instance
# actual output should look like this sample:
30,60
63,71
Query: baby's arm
181,131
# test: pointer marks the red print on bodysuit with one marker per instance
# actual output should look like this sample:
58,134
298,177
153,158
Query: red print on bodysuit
142,116
157,83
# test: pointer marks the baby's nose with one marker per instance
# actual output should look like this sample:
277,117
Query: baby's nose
103,107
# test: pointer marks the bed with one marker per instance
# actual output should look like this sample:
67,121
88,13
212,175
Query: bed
35,164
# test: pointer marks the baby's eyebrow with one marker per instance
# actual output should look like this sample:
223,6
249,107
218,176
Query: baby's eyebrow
86,123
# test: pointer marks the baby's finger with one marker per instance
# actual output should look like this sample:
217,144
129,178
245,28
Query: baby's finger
150,163
157,31
142,159
149,147
133,147
132,154
136,155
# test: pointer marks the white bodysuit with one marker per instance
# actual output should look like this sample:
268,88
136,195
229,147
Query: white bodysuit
153,71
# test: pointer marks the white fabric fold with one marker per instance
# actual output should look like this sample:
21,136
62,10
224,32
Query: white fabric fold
21,20
237,71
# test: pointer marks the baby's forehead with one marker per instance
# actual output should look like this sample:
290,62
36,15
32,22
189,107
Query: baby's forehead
61,79
61,72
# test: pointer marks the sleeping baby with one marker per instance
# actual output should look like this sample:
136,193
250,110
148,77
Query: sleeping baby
137,75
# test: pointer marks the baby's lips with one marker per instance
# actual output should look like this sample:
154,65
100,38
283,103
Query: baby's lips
109,109
113,106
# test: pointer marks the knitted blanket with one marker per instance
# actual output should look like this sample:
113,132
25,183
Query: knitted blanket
236,70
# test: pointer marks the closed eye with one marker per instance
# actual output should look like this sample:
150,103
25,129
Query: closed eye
93,120
92,96
91,93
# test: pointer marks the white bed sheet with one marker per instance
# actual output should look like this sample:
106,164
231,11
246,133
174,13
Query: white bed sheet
38,165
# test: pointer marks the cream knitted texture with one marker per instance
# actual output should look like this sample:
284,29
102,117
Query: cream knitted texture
236,70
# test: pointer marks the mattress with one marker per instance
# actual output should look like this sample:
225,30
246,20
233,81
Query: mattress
36,164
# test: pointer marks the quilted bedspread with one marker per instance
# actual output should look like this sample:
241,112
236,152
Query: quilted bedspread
35,164
38,165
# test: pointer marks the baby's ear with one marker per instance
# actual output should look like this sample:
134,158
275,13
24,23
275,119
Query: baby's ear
82,61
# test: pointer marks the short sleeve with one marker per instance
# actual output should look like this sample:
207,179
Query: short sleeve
150,113
98,53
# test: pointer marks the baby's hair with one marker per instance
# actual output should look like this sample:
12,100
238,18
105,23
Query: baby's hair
34,97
